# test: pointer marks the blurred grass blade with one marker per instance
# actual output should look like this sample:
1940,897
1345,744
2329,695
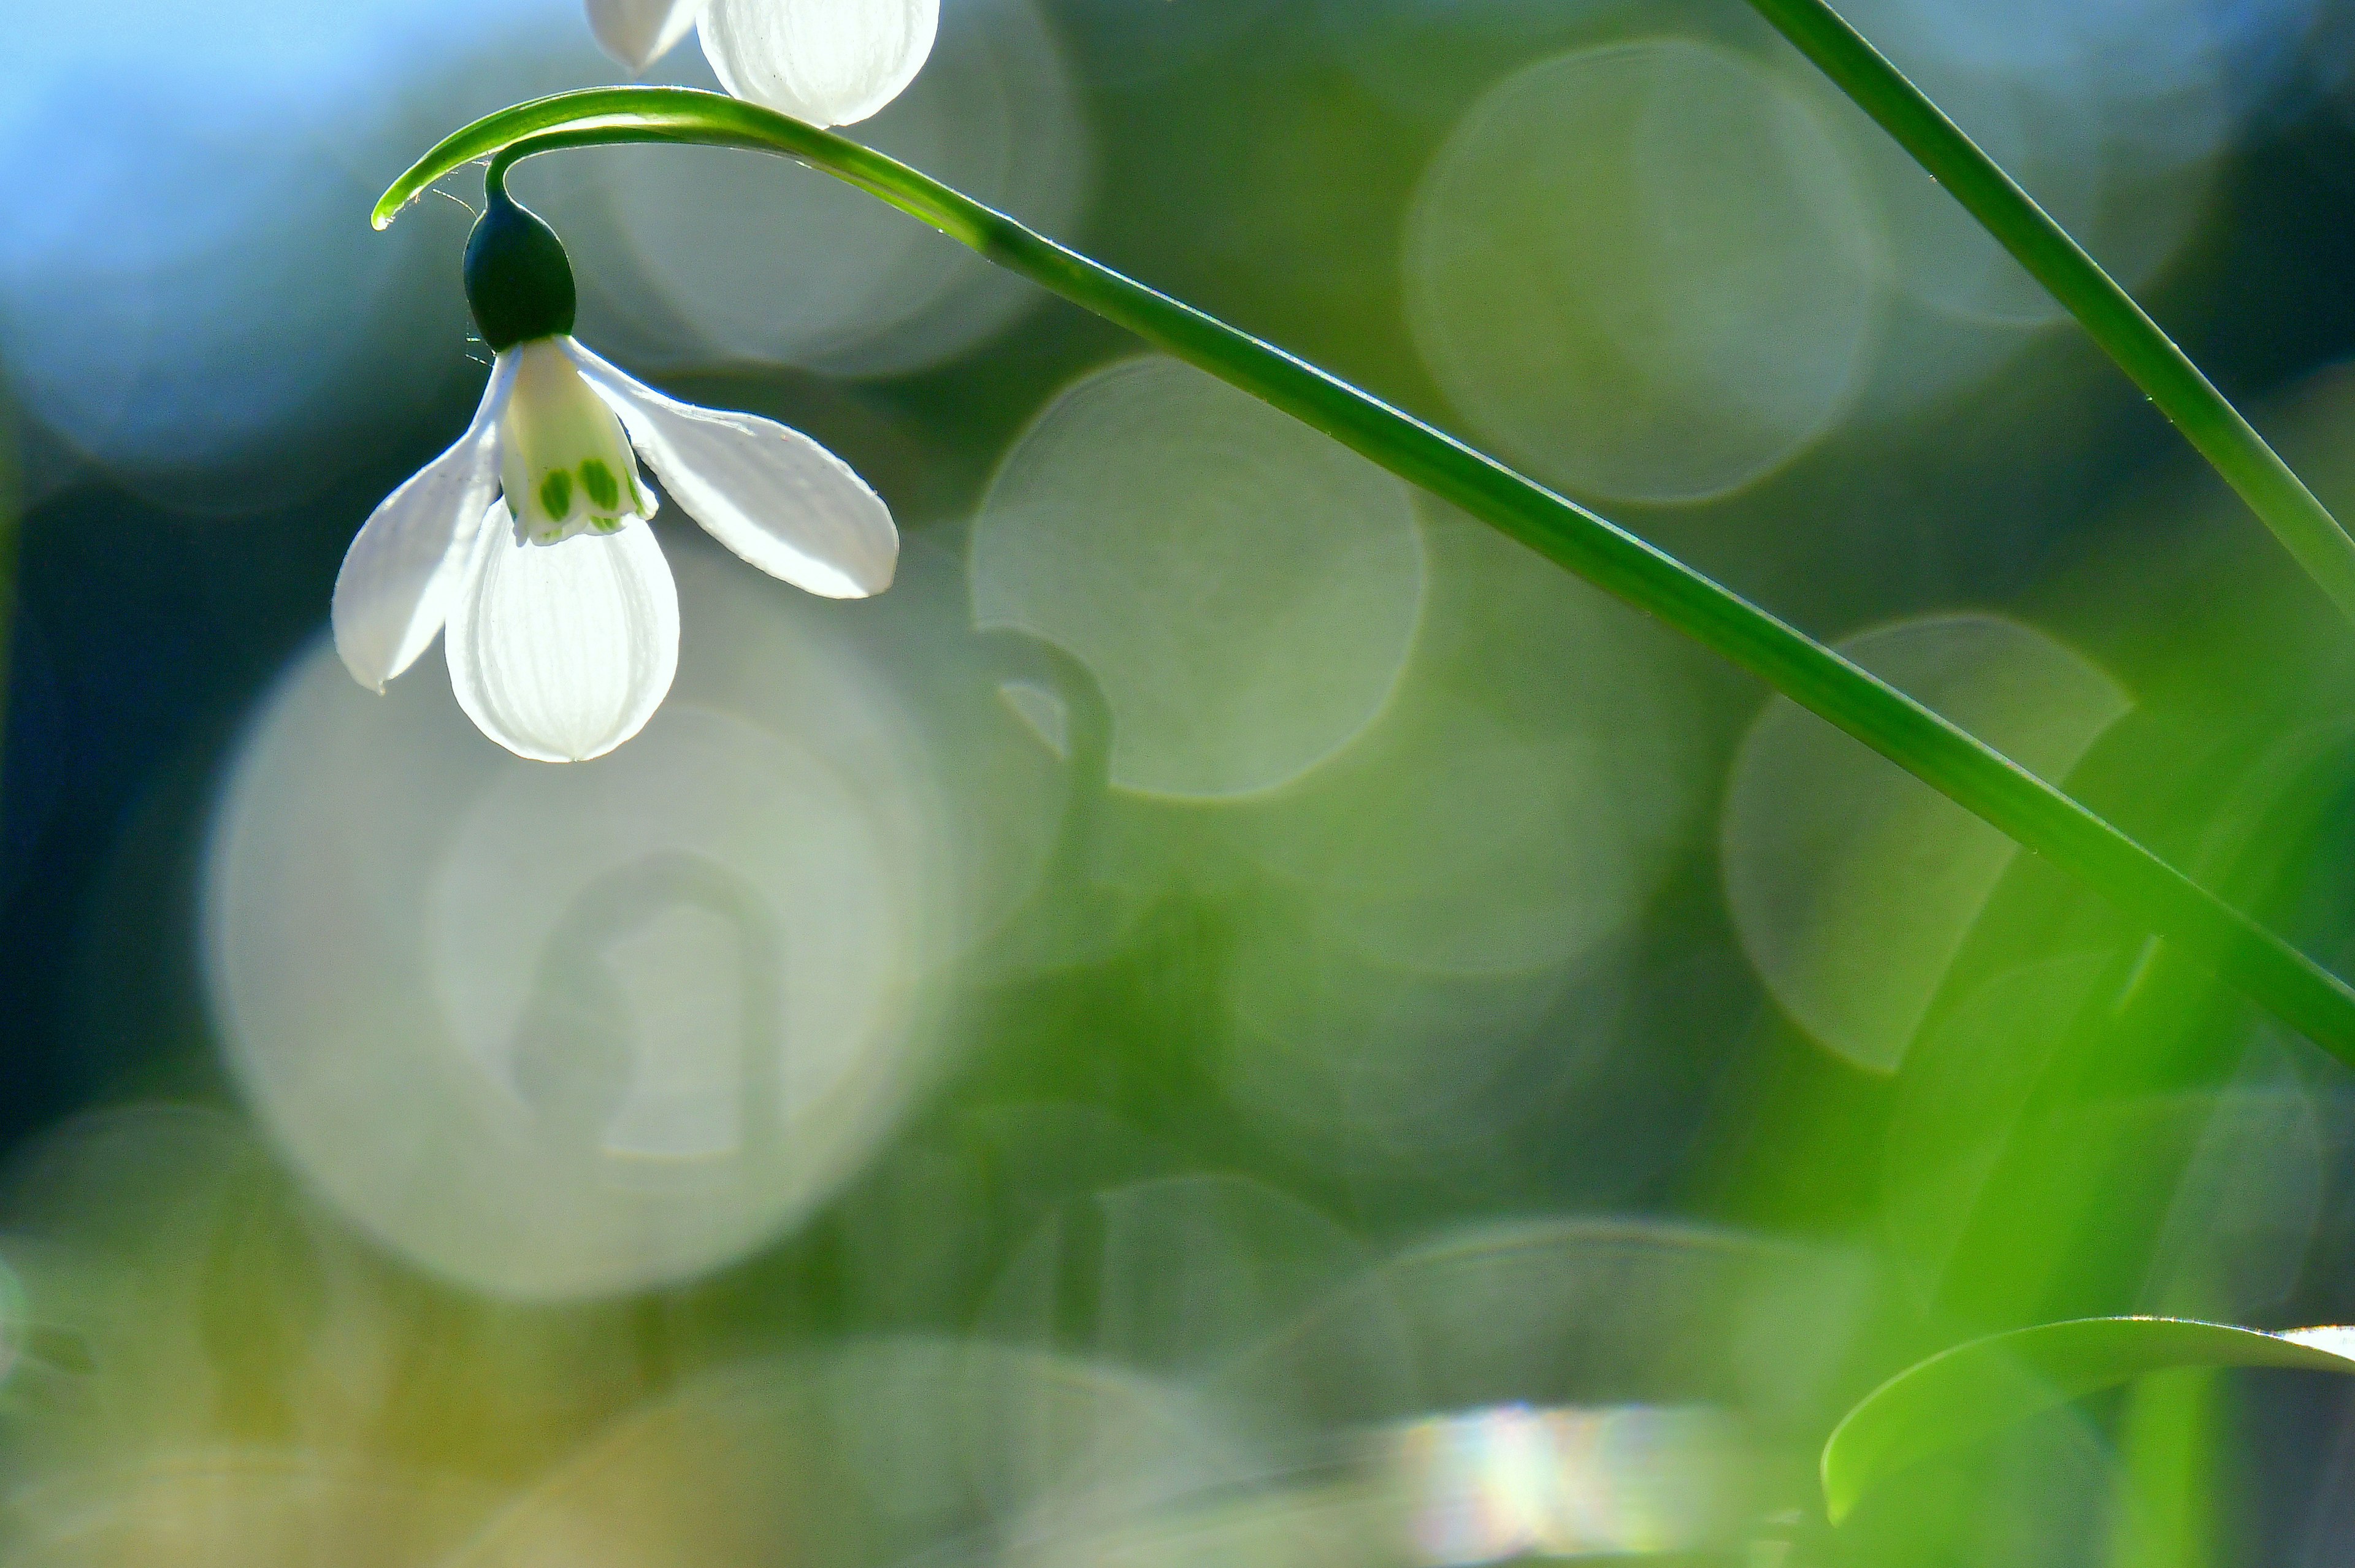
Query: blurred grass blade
1976,1390
1951,760
2108,313
2170,1441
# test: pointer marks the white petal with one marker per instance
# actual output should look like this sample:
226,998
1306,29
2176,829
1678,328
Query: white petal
393,592
770,493
826,62
639,32
560,653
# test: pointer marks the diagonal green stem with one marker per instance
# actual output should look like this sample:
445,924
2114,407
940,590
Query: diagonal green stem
2108,313
1951,760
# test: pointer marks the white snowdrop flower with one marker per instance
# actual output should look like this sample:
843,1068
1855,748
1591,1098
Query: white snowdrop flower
830,63
529,540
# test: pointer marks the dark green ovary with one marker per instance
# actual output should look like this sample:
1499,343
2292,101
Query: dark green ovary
605,490
555,494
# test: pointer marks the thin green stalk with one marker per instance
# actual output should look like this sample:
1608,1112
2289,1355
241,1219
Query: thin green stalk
2108,313
1943,757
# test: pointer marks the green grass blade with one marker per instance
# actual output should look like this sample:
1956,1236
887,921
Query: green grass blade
2170,1441
2108,313
1976,1390
1956,763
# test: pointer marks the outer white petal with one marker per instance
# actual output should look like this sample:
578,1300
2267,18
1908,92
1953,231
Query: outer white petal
639,32
560,653
393,592
770,493
826,62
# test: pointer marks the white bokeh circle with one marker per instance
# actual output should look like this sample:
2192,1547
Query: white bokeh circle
566,1030
1244,591
1644,270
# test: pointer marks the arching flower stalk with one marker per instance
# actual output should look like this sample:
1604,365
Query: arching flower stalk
1935,749
830,63
529,541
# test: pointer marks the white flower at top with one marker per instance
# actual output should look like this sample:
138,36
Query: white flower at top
830,63
529,542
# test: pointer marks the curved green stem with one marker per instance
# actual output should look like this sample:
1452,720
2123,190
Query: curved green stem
2108,313
1948,758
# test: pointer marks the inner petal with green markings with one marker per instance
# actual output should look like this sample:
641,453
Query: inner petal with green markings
564,463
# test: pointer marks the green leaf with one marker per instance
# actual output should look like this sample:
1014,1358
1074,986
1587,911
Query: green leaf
1949,759
2107,313
2164,1515
1976,1390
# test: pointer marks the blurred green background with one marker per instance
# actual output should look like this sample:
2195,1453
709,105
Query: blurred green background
1235,1015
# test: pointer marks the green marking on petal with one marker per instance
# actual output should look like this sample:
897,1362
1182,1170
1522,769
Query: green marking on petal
605,490
555,494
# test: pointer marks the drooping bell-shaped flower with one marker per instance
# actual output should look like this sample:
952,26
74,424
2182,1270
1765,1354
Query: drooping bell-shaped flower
830,63
529,540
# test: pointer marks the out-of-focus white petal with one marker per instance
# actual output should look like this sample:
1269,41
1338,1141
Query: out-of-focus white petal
770,493
393,592
639,32
829,62
560,653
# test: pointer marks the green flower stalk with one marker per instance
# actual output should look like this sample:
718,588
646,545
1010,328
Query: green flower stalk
1957,764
